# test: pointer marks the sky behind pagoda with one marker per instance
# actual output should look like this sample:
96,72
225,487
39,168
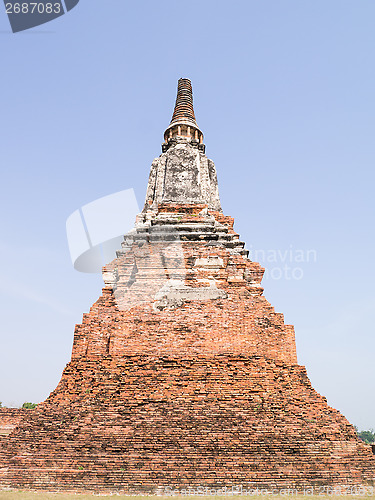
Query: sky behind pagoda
284,93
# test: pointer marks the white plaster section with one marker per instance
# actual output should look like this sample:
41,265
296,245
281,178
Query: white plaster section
174,293
182,172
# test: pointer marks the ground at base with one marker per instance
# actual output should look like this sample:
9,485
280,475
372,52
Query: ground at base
27,495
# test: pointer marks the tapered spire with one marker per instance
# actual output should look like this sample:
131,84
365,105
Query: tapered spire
183,123
184,109
183,174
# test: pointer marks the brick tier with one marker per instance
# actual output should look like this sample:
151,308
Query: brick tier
182,374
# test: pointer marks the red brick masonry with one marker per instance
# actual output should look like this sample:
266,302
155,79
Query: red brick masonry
9,419
195,385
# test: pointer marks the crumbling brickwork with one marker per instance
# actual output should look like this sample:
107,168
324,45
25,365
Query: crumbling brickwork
182,374
188,391
9,419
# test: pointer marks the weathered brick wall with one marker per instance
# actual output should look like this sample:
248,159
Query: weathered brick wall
9,419
183,374
141,422
243,324
241,320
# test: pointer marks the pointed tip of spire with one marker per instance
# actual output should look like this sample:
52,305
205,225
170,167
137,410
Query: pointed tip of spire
183,123
184,108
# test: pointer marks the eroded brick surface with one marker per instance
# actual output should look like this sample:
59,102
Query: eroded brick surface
9,419
183,374
141,422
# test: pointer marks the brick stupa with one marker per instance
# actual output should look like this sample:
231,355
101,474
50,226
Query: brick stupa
182,374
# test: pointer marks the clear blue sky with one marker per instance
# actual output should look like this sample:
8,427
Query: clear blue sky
284,92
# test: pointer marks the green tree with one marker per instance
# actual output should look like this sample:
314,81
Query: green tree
367,436
29,406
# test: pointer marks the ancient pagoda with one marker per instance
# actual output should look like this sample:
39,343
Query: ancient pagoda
182,374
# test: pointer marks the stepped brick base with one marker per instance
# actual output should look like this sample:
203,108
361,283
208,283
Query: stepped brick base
146,422
183,375
9,419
